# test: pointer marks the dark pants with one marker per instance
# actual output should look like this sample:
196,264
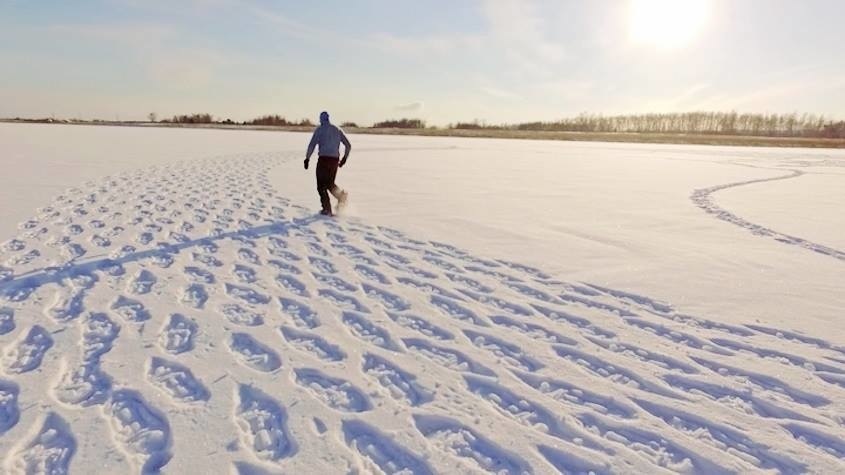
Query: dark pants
326,172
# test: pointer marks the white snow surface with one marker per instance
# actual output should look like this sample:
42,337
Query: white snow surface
170,302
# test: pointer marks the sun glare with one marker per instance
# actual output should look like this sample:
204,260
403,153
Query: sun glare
666,24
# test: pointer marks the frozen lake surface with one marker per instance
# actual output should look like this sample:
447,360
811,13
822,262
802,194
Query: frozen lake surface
170,299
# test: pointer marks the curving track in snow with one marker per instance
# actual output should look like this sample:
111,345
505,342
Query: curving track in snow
703,198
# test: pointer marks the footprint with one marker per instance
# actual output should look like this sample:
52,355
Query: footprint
393,258
361,259
141,283
292,284
570,394
421,325
457,311
322,265
239,315
779,356
249,256
676,336
529,414
262,424
244,274
336,393
67,305
317,249
100,241
345,302
452,437
98,334
368,331
70,251
510,353
611,372
277,243
401,384
469,282
9,411
246,294
312,343
657,448
84,385
378,242
194,296
49,451
744,400
566,462
531,292
145,238
380,450
207,259
177,335
303,316
537,332
796,337
428,288
130,310
284,267
764,382
26,353
448,358
176,380
372,274
722,437
162,259
646,356
530,271
335,282
499,304
199,275
254,354
141,431
581,323
818,439
286,255
389,301
443,264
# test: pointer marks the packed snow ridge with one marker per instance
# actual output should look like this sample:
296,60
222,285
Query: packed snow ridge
190,319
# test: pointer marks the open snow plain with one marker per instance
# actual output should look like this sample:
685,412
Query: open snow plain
170,302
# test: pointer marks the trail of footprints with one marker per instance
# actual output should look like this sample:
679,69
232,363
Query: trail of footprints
487,365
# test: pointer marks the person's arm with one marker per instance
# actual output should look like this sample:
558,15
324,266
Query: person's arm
347,147
311,146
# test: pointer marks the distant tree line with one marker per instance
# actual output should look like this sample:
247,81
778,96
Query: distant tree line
191,119
277,120
707,123
400,124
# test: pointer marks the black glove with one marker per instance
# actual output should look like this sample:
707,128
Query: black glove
306,164
342,163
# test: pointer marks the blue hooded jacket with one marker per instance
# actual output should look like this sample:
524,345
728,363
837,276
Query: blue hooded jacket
328,137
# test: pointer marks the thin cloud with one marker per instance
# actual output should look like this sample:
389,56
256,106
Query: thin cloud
410,107
500,93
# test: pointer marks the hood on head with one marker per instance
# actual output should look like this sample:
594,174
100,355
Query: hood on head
324,117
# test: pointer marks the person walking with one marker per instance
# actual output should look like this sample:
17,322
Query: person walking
328,138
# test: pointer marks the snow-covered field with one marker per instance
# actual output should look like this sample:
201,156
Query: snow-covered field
170,301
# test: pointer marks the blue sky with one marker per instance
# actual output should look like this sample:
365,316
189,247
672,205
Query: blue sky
443,61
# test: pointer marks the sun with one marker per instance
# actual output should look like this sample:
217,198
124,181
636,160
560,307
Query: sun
666,24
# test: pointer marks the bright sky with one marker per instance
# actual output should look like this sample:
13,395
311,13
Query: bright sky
439,60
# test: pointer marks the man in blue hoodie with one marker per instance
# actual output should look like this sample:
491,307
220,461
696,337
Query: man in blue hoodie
328,137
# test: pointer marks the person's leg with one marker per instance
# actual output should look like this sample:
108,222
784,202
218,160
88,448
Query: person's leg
324,181
335,190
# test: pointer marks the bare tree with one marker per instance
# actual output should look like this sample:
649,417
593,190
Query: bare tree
152,116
